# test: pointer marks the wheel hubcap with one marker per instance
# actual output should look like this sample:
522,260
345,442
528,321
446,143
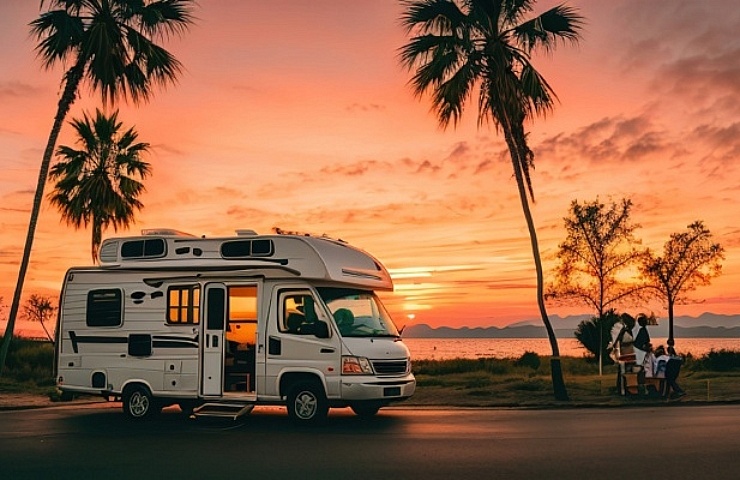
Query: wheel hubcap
139,404
305,405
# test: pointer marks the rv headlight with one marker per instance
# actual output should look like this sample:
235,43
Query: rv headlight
356,366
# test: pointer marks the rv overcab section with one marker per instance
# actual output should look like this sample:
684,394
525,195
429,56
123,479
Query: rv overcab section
222,324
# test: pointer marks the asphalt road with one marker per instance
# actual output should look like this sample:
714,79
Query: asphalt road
94,441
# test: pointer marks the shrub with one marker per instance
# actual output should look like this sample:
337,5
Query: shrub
31,361
528,359
720,361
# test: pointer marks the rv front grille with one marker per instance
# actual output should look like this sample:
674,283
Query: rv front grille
385,367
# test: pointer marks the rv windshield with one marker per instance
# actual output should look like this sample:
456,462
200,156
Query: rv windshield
358,313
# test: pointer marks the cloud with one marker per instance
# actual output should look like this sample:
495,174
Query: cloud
356,169
608,139
723,143
365,107
15,89
700,77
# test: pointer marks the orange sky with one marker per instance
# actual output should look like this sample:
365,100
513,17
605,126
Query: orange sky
297,114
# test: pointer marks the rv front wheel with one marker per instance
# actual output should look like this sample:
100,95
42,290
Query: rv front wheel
307,403
138,402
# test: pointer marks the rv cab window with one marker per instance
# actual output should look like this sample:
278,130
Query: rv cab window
358,313
298,313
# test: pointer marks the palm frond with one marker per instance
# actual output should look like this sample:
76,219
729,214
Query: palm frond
544,31
59,35
536,89
450,97
166,17
432,16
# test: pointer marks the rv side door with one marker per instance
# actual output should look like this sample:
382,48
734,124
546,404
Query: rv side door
212,345
295,344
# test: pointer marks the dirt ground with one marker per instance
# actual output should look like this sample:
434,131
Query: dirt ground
17,401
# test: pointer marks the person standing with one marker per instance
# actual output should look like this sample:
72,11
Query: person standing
642,339
624,351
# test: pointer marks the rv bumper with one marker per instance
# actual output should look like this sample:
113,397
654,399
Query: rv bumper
373,388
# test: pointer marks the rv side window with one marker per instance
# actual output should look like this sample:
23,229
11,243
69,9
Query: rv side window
104,308
149,248
183,304
298,313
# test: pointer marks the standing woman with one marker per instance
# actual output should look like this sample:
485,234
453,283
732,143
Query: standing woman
624,348
642,339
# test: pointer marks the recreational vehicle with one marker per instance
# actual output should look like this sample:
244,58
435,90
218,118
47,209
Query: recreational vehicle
219,325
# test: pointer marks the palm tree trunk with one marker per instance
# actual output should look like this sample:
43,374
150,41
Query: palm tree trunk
73,78
558,384
97,235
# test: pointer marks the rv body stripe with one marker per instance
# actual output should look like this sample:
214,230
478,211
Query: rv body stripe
161,341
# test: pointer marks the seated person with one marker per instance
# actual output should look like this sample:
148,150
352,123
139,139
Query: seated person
672,369
661,360
345,320
652,383
294,322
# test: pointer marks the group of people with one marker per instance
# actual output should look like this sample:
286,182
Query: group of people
665,364
636,354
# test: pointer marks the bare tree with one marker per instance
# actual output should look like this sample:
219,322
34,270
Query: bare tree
690,260
599,248
40,309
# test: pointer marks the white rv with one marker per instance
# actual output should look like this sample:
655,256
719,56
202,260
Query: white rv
218,325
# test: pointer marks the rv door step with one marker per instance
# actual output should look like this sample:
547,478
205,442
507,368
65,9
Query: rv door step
223,410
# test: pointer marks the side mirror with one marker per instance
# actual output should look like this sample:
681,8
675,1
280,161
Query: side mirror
321,330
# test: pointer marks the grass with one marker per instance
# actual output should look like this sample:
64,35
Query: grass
483,382
524,382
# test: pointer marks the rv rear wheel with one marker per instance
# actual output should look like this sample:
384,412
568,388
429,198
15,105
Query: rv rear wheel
139,403
307,403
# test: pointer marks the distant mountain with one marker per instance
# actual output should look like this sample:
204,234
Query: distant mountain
706,325
703,320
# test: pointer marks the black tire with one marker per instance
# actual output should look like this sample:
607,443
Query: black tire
66,396
138,403
365,409
187,407
307,403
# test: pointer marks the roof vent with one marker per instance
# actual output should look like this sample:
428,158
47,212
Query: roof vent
246,233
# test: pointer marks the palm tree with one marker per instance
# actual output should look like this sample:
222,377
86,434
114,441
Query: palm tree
110,45
96,184
459,47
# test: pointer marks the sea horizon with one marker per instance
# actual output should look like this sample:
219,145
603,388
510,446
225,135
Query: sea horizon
473,348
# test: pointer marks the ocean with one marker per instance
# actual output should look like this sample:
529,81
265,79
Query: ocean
449,348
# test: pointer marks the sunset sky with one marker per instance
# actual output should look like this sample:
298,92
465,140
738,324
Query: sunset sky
298,115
